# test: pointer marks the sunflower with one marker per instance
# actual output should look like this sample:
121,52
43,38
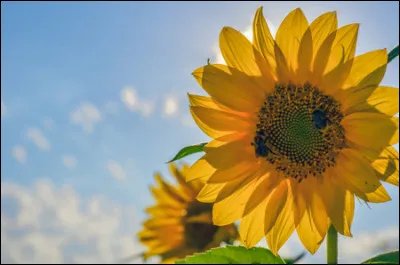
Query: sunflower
300,127
179,224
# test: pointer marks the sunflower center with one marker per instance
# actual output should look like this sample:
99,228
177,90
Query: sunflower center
199,233
299,131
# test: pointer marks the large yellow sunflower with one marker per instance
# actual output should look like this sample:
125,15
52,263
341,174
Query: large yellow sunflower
179,224
300,126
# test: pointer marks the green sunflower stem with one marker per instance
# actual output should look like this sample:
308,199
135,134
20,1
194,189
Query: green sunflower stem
332,246
393,54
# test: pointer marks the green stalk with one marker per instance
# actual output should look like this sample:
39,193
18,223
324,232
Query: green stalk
393,53
332,246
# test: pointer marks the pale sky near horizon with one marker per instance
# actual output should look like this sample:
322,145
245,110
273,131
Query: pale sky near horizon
93,102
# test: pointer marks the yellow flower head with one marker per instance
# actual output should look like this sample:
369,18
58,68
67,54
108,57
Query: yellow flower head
299,125
179,224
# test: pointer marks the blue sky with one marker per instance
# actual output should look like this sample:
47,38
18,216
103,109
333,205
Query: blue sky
94,102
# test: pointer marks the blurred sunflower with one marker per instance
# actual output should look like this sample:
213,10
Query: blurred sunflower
179,224
300,126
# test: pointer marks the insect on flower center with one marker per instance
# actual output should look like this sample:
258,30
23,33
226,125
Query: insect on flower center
198,231
299,131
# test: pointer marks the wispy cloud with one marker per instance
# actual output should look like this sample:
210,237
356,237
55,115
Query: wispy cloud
3,109
116,170
69,161
367,244
171,106
54,225
19,153
37,137
86,115
132,101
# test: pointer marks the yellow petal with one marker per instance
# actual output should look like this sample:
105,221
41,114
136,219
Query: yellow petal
308,233
239,53
162,248
219,121
169,260
172,191
289,36
160,222
321,58
365,64
269,182
200,169
334,198
334,80
162,196
231,173
283,227
373,130
188,191
263,40
282,69
319,214
304,58
206,102
380,99
209,192
230,87
213,133
276,203
251,228
230,154
387,165
378,196
223,140
349,208
321,28
313,223
344,46
317,207
299,192
232,200
355,171
164,210
200,218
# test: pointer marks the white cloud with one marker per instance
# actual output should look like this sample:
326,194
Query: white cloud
116,170
366,245
54,225
19,153
248,33
69,161
132,101
352,250
86,115
37,137
3,109
48,124
170,106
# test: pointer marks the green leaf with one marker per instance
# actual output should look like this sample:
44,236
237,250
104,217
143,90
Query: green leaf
233,255
391,257
188,150
393,54
295,259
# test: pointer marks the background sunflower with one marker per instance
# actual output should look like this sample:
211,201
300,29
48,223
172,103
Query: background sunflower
179,225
